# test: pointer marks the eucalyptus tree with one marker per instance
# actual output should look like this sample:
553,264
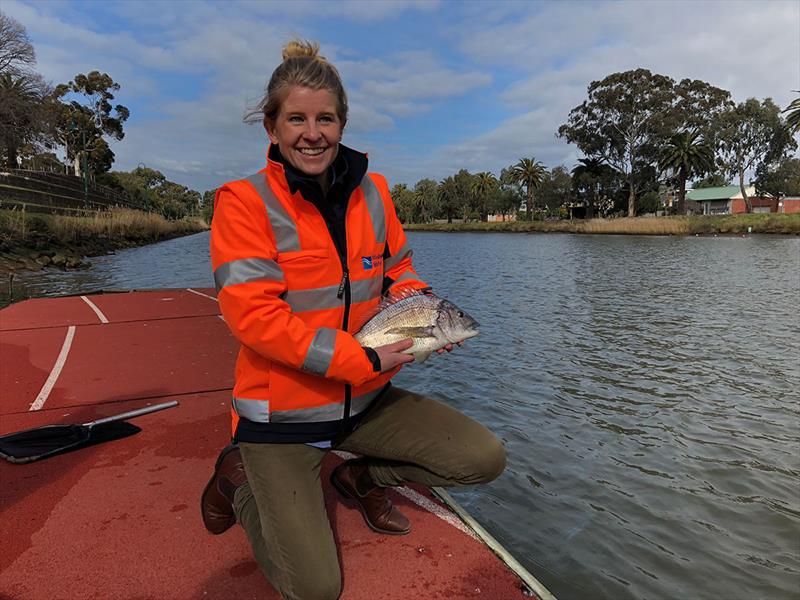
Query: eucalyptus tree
529,173
686,155
781,179
752,135
88,117
482,188
622,122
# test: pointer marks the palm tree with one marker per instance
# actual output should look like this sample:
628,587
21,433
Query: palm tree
18,99
793,119
482,185
687,155
589,172
529,173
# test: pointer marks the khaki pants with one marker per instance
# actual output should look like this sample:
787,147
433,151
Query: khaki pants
406,437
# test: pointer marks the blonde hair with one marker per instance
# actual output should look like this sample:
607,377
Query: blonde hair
302,66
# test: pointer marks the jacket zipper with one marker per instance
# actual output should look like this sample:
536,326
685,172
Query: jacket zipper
344,288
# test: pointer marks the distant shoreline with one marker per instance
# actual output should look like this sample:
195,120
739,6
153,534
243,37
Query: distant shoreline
771,223
33,241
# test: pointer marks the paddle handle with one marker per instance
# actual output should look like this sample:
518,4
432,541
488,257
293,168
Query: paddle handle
133,413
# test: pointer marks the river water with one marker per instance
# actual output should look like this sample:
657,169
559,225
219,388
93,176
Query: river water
646,389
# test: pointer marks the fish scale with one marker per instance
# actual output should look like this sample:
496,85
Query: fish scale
419,317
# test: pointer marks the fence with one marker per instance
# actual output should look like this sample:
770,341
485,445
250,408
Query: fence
39,191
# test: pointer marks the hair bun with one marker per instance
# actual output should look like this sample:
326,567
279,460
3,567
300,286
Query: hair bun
301,48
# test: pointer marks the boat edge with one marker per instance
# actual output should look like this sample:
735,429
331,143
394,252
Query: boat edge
504,555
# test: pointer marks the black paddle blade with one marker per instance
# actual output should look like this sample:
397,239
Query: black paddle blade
42,442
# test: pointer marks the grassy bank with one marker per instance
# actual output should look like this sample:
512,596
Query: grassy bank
694,225
35,240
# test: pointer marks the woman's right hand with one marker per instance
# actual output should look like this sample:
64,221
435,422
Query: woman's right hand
391,355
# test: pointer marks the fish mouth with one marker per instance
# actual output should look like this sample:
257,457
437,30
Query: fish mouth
471,334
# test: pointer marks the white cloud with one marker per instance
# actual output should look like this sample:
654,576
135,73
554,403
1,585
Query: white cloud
529,63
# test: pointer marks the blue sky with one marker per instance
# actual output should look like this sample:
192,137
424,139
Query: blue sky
434,86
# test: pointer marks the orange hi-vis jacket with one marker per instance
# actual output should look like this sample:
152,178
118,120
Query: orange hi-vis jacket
293,303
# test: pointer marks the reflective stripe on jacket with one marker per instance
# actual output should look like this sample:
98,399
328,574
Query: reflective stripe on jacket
293,306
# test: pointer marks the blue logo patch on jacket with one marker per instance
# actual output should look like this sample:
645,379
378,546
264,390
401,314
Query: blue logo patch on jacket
372,262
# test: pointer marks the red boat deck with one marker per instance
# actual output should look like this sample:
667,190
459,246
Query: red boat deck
121,519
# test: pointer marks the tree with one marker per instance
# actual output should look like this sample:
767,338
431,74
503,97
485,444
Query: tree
556,189
483,185
208,205
16,52
778,180
793,118
82,127
425,200
463,181
752,135
529,173
447,193
152,191
510,197
712,180
588,178
686,155
697,106
403,200
622,122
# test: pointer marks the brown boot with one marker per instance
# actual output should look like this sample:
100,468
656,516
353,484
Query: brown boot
216,504
352,480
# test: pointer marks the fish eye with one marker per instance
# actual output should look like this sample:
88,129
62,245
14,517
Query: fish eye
460,314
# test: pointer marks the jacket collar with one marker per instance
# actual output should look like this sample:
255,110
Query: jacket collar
347,171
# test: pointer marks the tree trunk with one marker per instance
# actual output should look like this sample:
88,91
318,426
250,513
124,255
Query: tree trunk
748,207
11,155
76,164
682,191
528,206
590,203
631,198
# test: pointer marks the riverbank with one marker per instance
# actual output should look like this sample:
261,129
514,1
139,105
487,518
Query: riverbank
32,241
686,225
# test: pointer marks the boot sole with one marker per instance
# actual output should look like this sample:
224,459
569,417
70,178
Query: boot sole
341,489
207,489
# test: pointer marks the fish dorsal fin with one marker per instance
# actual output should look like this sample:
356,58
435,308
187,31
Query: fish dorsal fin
393,298
397,295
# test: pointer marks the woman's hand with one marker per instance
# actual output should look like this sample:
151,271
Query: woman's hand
391,355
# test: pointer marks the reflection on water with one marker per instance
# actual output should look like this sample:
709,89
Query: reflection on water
646,390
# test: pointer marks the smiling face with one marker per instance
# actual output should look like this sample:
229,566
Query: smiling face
307,130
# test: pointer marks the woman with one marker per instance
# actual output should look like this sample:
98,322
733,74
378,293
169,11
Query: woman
302,252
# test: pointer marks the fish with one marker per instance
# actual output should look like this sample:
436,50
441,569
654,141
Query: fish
432,322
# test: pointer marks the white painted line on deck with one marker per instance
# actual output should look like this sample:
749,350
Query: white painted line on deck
53,377
201,294
438,510
96,310
432,507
